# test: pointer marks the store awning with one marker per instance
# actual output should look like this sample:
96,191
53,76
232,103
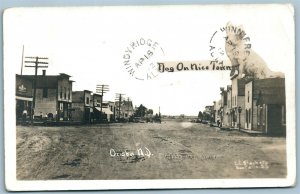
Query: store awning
104,110
23,98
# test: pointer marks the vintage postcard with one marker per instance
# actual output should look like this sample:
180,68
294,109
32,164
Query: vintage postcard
149,97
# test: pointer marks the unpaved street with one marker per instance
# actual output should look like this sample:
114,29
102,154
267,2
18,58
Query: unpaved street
146,151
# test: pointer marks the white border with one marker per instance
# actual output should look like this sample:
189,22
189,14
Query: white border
15,185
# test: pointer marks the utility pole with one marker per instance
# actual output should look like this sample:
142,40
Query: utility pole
101,89
159,110
37,62
128,107
22,61
119,99
159,114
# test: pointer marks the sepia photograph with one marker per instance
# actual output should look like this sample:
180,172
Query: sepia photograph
149,97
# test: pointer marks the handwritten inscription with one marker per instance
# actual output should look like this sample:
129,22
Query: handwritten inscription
192,66
247,165
127,154
175,156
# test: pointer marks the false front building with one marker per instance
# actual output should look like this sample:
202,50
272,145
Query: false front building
53,95
265,106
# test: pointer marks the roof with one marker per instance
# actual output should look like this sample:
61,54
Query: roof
44,81
47,81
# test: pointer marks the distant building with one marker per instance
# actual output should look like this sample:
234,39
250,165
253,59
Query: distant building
208,113
265,105
124,110
108,111
53,95
237,101
82,106
96,106
223,108
228,117
216,110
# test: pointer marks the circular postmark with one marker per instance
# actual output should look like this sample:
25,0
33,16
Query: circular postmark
229,43
140,58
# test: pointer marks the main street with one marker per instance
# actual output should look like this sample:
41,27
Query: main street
170,150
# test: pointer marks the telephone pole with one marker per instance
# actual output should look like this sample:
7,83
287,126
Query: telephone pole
101,89
119,99
128,100
37,62
22,61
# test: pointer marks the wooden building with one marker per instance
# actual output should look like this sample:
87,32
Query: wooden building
82,106
265,105
53,96
23,98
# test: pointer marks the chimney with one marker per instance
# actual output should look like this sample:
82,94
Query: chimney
44,72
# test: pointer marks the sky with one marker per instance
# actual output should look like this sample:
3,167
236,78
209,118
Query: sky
89,44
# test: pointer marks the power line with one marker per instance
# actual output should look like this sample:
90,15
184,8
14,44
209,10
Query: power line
101,89
119,98
35,66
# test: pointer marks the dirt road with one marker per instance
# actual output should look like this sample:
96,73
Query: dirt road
146,151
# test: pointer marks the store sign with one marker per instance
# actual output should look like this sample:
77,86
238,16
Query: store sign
22,88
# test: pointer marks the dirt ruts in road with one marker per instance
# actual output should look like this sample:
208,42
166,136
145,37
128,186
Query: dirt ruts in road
145,151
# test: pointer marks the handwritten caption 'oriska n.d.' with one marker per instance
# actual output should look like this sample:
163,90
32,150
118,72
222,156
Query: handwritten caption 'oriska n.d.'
194,66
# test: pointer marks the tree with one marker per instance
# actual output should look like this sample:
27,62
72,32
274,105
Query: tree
150,111
141,111
200,115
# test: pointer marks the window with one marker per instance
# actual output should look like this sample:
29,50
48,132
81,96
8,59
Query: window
249,116
248,95
45,92
87,100
69,95
61,91
65,93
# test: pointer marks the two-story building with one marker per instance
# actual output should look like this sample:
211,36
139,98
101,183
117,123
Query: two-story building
53,96
96,105
124,109
237,111
82,106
